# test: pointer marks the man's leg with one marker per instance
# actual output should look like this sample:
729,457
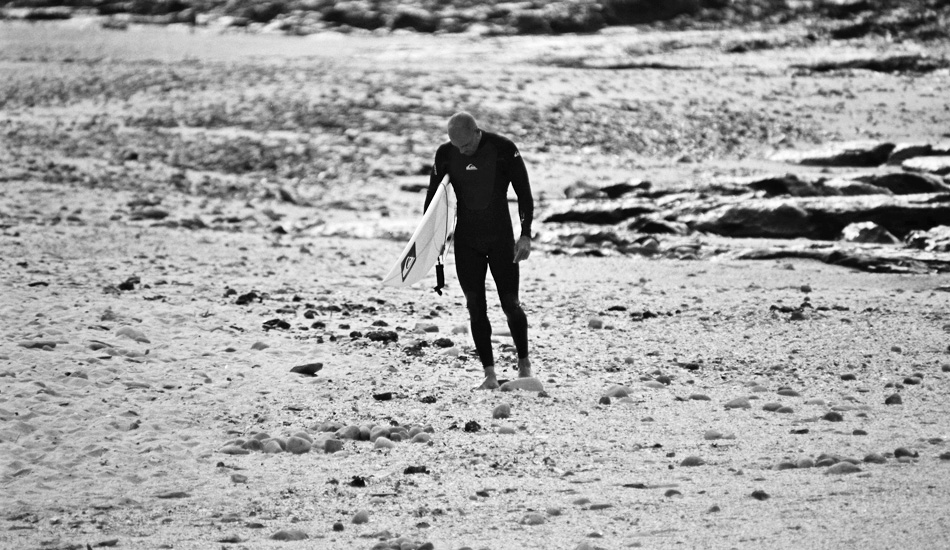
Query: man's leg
506,274
471,267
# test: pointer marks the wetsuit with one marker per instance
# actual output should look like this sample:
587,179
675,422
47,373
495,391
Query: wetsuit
484,237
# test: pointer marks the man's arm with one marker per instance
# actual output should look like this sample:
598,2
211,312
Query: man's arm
522,187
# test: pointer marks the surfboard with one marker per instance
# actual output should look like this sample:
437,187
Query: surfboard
427,242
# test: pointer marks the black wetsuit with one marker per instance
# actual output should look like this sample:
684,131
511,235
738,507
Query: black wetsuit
484,237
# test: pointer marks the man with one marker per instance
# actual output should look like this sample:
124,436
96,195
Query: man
480,166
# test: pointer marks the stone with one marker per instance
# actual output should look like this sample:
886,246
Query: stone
771,407
851,153
349,432
360,517
692,461
272,446
933,165
906,183
786,466
507,430
699,397
842,468
132,334
331,446
421,438
935,239
234,450
759,494
712,435
501,411
618,391
875,458
739,403
298,445
848,377
784,410
595,323
289,535
867,232
805,463
788,392
833,417
383,443
894,399
533,518
377,432
524,384
904,452
905,151
604,401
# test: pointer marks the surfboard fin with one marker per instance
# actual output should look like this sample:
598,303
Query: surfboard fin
439,277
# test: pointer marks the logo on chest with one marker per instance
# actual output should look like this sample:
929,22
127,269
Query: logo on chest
471,167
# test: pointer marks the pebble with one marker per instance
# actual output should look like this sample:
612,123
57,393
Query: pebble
331,446
786,466
848,377
338,526
784,410
421,438
595,323
945,367
506,430
894,399
653,384
771,407
713,509
360,517
272,446
348,432
788,392
833,417
288,535
897,349
699,397
604,401
553,511
805,463
875,458
904,452
672,493
234,450
712,435
692,461
298,445
945,456
618,391
758,389
524,384
739,403
378,432
759,494
533,519
842,468
132,334
259,346
819,402
383,443
501,411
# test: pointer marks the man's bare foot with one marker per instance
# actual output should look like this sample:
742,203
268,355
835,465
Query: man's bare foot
490,383
524,367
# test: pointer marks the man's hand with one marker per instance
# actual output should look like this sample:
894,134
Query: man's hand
522,248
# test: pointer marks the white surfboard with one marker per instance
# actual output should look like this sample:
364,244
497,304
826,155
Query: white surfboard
427,242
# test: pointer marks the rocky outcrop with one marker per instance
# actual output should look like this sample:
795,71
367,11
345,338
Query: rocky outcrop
859,153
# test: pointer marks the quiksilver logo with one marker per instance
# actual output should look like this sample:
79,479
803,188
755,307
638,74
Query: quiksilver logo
471,167
408,262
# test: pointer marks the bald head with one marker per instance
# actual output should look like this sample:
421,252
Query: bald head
464,132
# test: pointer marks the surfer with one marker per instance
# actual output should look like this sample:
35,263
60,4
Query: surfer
480,166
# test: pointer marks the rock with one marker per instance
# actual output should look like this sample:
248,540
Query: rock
595,323
234,450
501,411
788,392
253,445
421,438
786,466
132,334
360,517
272,446
553,511
819,402
848,377
906,183
692,461
712,435
854,153
901,452
875,458
867,232
894,399
298,445
833,417
289,535
905,151
784,410
759,494
604,400
338,526
259,346
618,391
377,432
533,518
933,165
805,463
945,456
383,443
331,446
349,432
842,468
506,430
309,369
739,403
699,397
523,384
935,239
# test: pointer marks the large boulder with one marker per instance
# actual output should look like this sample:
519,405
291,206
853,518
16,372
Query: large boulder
853,153
867,232
936,239
821,218
933,165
